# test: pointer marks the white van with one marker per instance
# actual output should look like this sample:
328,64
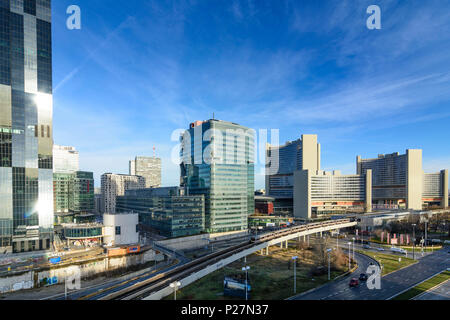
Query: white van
399,250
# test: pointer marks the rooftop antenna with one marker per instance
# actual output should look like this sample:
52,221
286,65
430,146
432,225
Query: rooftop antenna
154,152
214,117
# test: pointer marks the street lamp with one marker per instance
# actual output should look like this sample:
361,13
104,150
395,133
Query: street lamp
246,268
175,286
414,239
295,274
349,253
353,255
328,251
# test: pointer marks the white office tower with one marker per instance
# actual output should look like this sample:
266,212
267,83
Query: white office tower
65,159
114,185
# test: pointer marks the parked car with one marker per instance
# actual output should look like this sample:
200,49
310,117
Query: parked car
353,282
363,277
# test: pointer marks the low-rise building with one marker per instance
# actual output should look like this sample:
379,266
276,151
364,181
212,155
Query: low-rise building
121,228
167,211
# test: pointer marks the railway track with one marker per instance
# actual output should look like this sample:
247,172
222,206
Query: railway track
144,288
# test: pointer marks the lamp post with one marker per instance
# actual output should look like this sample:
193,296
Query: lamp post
414,239
353,255
295,274
246,268
175,286
65,285
349,253
328,251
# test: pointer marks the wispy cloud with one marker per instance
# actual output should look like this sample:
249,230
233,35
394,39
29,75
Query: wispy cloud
297,66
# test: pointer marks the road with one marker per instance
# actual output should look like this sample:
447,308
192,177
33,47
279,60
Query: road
391,284
101,290
441,292
336,289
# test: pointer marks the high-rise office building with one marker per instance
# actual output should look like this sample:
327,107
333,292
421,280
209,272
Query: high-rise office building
114,185
217,160
65,159
26,170
301,154
149,168
73,192
399,181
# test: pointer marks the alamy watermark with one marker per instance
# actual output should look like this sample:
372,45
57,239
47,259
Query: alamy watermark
374,279
73,278
374,20
228,146
74,20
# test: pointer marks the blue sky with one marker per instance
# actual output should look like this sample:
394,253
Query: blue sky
137,70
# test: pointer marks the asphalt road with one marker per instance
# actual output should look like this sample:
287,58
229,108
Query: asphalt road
104,289
338,289
391,284
441,292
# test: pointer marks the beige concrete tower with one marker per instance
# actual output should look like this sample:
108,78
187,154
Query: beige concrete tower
302,194
444,174
310,152
414,179
368,202
358,164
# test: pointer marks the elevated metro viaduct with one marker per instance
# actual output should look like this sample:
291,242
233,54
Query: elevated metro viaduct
260,245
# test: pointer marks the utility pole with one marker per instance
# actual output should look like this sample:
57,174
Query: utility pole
414,239
349,253
426,233
329,276
353,255
295,274
175,286
246,268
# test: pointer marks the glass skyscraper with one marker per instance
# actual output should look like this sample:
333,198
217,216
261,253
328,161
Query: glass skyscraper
26,175
217,160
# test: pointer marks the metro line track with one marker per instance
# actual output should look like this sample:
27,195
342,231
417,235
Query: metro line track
145,288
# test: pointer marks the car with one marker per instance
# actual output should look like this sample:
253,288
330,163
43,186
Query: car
366,246
380,249
398,250
363,277
353,282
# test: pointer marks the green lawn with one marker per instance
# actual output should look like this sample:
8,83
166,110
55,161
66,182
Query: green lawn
424,286
270,277
410,248
389,262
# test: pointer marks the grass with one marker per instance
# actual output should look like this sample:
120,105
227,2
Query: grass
424,286
410,248
389,262
271,277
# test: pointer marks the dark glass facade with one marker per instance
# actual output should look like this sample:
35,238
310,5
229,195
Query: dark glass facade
217,161
26,195
171,216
